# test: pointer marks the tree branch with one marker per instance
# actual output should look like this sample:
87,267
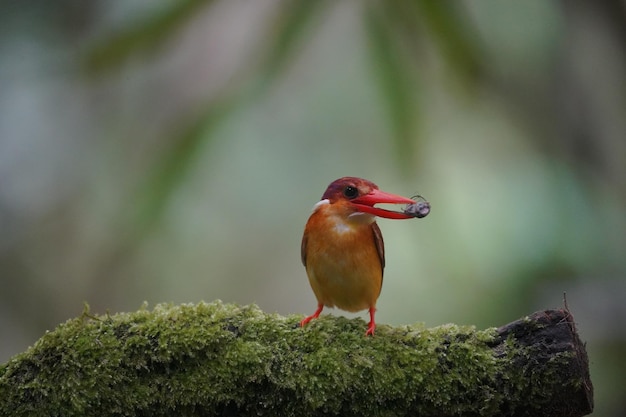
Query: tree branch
220,359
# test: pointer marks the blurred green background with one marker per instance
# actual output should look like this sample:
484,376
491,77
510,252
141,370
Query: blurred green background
171,151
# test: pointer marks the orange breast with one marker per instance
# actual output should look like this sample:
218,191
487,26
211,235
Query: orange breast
342,261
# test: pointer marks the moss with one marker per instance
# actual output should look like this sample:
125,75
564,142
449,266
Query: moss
224,359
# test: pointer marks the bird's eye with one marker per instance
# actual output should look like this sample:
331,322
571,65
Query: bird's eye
351,192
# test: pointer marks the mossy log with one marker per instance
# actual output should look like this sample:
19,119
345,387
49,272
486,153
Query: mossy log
226,360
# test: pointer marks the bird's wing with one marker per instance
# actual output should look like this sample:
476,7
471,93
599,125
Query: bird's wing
303,249
380,245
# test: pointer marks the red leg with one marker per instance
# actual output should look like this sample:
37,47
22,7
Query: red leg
315,315
372,324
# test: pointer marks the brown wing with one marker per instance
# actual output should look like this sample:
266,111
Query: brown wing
380,245
303,250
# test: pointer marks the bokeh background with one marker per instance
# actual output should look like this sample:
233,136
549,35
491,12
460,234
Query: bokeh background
171,151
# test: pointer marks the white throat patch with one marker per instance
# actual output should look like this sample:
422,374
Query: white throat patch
343,225
362,218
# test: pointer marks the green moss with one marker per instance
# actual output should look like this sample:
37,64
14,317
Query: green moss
224,359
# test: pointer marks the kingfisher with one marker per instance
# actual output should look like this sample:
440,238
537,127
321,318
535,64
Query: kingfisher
342,246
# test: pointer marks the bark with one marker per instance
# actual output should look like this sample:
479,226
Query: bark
221,360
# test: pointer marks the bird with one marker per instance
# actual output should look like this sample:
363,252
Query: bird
342,246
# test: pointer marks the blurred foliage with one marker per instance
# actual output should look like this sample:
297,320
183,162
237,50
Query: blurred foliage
141,37
392,29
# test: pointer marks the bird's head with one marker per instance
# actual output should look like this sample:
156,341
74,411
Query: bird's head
358,195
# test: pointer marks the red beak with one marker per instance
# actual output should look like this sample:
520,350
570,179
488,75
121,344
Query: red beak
366,204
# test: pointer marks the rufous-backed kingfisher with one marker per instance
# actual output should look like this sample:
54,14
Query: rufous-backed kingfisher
342,247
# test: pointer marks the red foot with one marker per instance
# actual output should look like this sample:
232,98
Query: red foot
372,324
315,315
